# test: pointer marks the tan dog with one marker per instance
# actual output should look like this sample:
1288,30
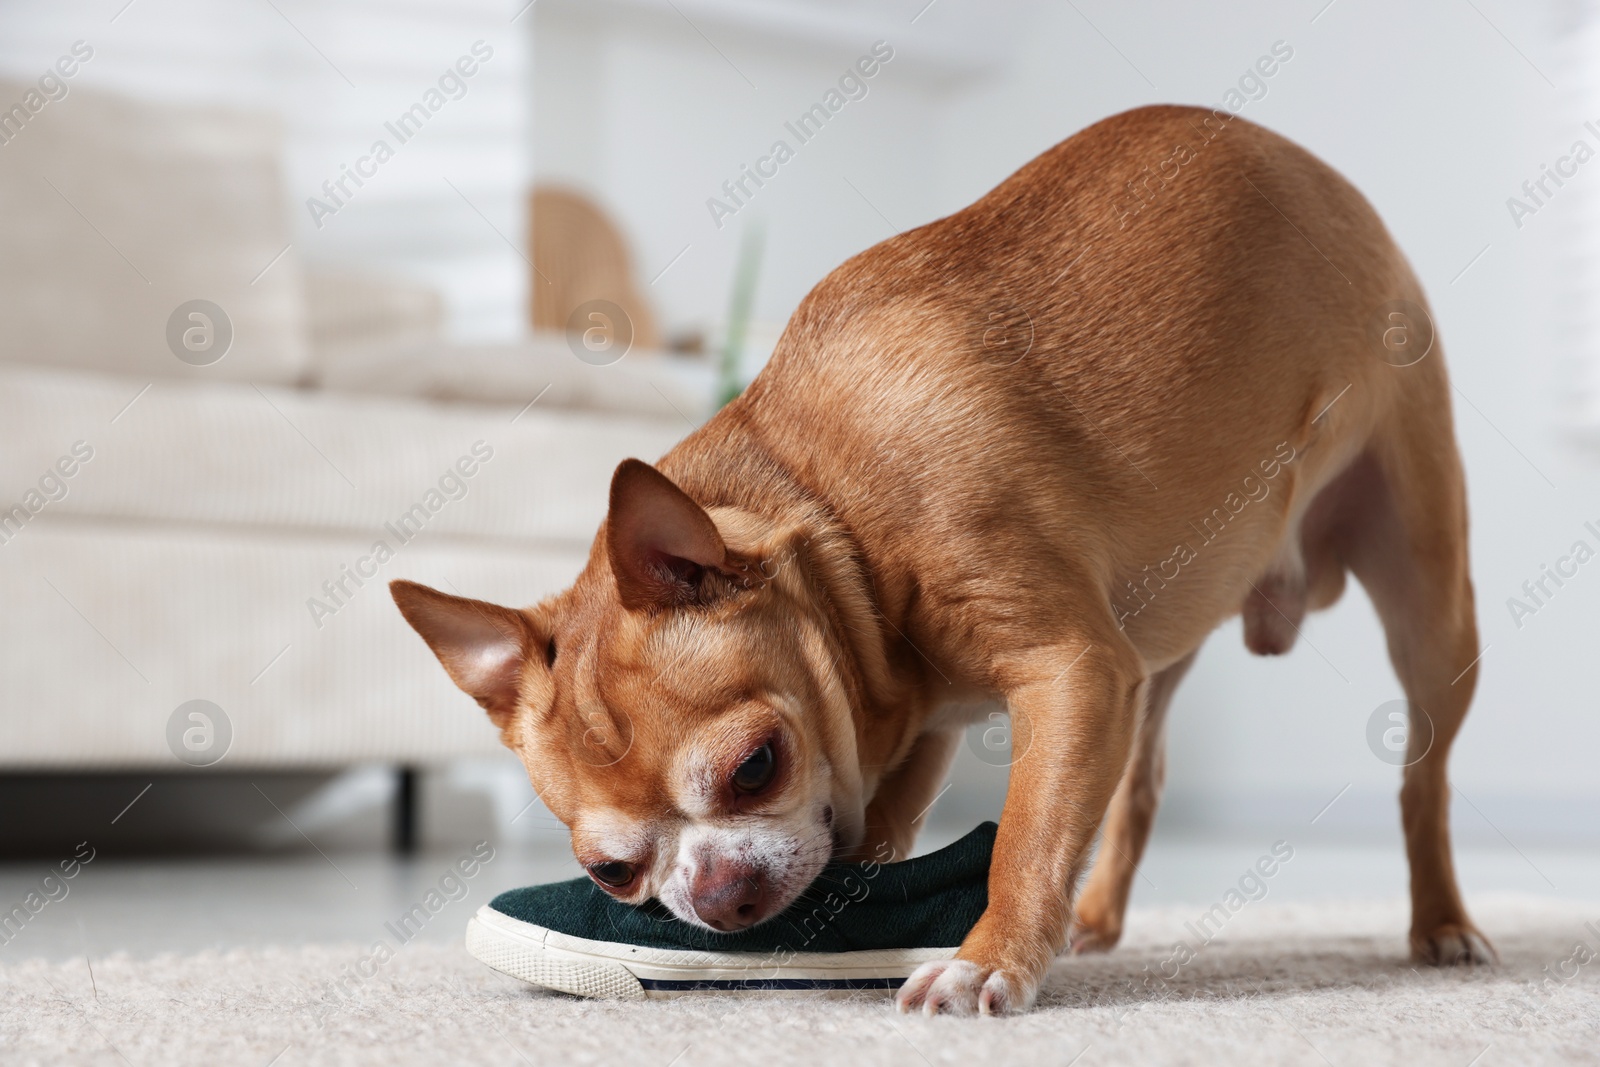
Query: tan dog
1035,451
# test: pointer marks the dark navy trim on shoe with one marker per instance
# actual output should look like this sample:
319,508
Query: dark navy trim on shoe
756,984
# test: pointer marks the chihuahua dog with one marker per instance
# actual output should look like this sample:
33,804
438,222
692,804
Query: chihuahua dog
1171,371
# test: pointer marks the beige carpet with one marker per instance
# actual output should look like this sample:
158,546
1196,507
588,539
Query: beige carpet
1292,984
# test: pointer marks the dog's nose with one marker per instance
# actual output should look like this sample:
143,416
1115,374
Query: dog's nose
728,896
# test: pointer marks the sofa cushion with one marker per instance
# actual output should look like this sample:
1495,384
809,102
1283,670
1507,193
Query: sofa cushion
298,461
119,211
354,310
109,627
658,385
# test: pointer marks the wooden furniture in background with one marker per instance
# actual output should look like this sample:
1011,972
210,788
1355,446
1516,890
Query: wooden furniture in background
579,255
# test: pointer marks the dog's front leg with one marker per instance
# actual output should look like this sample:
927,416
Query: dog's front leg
1074,707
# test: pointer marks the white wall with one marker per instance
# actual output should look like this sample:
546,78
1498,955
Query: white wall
650,107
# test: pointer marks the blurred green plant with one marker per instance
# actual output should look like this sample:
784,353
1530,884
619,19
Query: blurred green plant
730,377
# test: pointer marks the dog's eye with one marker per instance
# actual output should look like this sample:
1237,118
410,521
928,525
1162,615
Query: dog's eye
755,771
613,873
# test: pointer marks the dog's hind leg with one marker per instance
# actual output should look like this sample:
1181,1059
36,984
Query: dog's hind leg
1404,528
1097,920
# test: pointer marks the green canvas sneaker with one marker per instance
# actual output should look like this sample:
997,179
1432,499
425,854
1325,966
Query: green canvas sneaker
859,926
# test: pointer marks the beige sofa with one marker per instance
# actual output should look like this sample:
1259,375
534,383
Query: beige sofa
172,532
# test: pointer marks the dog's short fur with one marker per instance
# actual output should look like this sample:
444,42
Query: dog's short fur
1035,451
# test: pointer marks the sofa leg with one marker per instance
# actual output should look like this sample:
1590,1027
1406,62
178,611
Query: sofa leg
405,810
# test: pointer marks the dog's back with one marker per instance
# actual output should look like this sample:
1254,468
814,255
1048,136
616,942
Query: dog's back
1135,327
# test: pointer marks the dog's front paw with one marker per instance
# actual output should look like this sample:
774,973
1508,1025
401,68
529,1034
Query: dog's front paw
1451,944
961,987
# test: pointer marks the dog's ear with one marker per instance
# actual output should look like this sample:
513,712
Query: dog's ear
483,647
662,545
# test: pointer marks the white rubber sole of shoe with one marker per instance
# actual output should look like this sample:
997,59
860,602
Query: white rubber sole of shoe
614,971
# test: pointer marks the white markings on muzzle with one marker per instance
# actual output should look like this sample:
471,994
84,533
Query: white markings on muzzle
784,853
